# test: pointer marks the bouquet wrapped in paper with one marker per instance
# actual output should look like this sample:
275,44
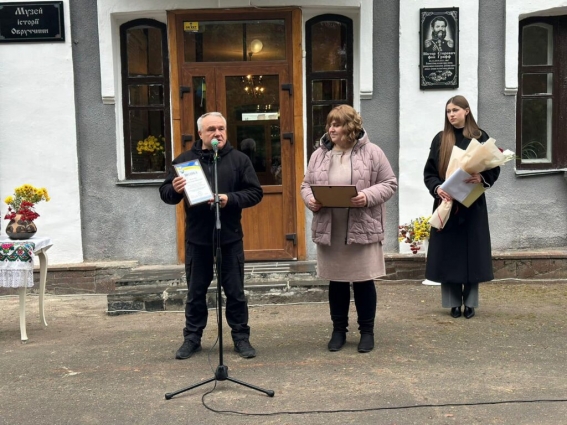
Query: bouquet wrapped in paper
476,158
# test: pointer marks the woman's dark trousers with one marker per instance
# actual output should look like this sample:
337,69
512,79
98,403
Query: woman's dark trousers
456,295
364,300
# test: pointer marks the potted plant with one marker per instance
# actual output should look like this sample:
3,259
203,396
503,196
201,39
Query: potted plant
415,233
21,211
152,148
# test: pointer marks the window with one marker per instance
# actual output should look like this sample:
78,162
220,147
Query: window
234,41
329,79
541,136
145,98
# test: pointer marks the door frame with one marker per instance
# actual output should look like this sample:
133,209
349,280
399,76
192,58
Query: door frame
175,41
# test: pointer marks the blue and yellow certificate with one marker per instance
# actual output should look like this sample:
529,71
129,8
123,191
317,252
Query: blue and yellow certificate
197,189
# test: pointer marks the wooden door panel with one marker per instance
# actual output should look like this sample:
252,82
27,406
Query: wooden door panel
264,222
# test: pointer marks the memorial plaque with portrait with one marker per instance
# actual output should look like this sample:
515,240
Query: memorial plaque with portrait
439,52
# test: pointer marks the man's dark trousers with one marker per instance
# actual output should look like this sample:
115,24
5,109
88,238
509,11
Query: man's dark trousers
199,264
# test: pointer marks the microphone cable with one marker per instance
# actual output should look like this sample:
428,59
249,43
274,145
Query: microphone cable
373,409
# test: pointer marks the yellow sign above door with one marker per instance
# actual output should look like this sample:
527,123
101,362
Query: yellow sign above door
191,26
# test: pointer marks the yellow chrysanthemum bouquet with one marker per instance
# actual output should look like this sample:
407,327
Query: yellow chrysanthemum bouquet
415,233
151,145
23,202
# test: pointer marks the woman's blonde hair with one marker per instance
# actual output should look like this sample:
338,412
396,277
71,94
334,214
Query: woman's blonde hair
347,117
470,131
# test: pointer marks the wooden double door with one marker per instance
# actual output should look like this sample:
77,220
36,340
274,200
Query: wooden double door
262,104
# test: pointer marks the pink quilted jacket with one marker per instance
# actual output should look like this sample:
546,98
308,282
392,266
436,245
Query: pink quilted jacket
371,173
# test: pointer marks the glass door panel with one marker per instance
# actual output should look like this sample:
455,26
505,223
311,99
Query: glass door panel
234,41
253,115
199,100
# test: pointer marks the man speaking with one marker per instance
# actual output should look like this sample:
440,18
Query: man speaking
238,188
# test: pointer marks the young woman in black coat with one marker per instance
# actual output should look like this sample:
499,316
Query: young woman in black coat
459,255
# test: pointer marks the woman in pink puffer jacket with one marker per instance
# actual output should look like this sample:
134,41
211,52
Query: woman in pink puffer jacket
349,240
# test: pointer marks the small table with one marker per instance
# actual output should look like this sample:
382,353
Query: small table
16,271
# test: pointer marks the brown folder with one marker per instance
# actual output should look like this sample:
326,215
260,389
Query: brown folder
334,196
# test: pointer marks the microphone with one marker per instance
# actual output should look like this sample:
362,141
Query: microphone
215,144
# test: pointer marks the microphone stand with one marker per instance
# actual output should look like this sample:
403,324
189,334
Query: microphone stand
221,374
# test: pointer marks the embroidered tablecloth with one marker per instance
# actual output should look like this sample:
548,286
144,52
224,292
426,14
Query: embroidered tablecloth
16,260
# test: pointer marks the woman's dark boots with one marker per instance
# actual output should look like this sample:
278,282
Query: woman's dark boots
366,328
339,301
365,301
338,339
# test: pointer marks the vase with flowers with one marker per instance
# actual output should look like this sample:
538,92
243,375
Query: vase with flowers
415,233
21,211
152,147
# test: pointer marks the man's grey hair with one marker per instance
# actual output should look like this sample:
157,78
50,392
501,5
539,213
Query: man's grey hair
215,114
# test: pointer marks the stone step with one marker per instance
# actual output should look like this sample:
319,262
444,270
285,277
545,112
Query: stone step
155,288
162,288
152,275
166,297
171,297
175,274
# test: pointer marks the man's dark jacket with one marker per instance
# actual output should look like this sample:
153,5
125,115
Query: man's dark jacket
236,178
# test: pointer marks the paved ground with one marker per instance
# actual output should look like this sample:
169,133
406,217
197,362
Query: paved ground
427,368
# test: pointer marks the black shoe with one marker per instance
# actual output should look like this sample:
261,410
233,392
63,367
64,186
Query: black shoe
456,312
187,349
244,348
337,341
366,343
469,312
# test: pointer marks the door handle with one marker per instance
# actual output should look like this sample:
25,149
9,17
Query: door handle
288,87
186,138
288,136
183,90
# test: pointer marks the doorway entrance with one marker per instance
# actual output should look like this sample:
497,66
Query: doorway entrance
241,64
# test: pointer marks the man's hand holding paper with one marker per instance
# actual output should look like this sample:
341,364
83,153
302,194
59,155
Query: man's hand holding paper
191,179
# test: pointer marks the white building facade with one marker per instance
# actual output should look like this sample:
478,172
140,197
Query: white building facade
72,113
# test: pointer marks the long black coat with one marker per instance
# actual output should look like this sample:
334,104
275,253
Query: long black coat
461,251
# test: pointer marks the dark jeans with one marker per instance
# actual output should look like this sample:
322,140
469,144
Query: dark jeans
199,264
